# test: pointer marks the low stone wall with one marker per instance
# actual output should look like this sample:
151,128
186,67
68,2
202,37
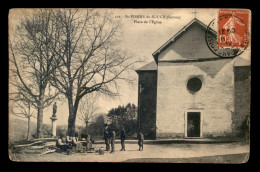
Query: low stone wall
205,135
169,135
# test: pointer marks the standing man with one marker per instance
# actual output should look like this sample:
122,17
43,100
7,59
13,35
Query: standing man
113,138
140,138
106,137
122,137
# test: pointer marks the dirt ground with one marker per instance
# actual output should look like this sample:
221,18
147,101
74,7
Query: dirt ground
170,153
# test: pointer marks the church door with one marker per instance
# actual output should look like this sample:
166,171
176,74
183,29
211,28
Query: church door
193,124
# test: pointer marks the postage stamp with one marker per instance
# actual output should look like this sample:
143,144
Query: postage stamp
228,35
233,28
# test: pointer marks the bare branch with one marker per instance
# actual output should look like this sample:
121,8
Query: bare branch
88,108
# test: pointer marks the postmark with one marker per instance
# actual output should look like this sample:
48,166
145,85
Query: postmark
228,35
233,28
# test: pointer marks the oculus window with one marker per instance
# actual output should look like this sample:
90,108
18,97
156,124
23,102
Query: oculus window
194,84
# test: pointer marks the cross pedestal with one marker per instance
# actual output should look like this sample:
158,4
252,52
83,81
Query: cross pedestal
53,126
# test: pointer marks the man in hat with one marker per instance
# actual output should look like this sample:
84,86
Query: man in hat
112,139
122,137
106,137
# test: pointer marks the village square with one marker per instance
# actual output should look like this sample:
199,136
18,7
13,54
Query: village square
85,97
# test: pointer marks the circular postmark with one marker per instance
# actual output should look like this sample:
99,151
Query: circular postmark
229,40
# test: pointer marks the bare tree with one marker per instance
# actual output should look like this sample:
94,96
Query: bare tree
31,59
88,108
90,59
22,109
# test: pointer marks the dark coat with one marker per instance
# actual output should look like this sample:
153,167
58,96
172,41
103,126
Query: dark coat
140,136
113,136
106,135
122,135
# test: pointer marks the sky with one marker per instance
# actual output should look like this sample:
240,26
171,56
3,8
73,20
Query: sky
141,37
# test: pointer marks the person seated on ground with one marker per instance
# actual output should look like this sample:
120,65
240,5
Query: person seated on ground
63,137
69,140
77,145
89,144
61,143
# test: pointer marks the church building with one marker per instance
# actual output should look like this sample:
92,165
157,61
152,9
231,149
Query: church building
189,92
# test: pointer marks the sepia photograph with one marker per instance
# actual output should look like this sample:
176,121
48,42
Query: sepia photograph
128,85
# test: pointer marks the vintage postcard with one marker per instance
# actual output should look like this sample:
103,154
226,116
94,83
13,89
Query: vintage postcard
129,85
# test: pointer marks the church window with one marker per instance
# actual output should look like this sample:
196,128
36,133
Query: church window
194,84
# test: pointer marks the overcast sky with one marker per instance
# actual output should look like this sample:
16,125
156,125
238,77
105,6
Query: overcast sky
141,39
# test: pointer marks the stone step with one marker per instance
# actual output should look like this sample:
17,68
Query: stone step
170,141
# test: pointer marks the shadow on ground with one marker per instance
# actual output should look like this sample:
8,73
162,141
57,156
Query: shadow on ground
230,159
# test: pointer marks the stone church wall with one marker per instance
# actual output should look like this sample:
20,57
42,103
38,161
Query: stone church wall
147,103
190,45
242,98
215,98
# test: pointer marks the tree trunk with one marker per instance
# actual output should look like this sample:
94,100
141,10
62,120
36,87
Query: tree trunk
72,116
71,127
40,122
86,127
29,128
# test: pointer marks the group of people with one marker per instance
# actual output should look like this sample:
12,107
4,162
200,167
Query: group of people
72,143
111,136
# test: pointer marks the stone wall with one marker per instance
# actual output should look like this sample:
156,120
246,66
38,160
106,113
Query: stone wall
242,97
147,103
190,45
215,99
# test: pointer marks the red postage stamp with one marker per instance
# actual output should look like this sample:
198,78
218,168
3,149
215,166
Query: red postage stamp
233,28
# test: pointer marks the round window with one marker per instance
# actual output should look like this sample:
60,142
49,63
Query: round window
194,84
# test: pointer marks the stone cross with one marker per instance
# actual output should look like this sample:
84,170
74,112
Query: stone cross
195,13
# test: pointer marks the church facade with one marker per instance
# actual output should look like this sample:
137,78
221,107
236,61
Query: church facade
189,92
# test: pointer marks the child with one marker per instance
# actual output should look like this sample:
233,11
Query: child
140,138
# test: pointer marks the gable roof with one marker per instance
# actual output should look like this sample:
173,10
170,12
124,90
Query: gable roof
239,61
152,66
210,67
178,34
